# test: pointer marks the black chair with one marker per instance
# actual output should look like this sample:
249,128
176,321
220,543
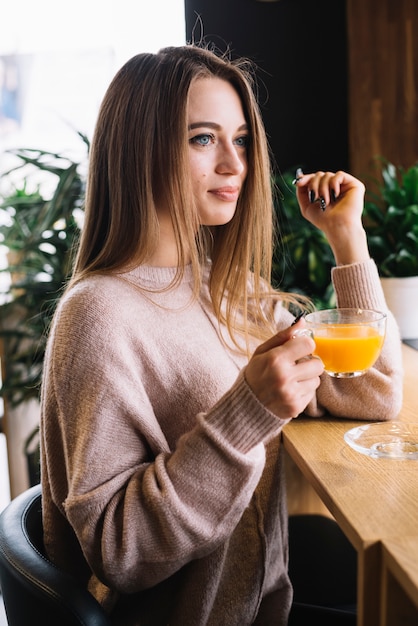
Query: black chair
323,571
34,590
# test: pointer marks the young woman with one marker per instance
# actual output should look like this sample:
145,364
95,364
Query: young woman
172,366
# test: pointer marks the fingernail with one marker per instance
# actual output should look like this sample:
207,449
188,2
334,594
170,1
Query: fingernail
333,195
311,196
322,204
298,176
303,332
298,317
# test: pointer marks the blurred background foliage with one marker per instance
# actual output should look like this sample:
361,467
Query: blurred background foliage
40,222
391,219
302,259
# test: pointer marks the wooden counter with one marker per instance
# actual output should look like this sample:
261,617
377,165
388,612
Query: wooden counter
399,594
371,499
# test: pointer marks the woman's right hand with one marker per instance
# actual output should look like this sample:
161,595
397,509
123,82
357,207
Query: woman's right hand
282,374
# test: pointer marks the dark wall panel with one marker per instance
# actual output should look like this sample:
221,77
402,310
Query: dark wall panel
300,48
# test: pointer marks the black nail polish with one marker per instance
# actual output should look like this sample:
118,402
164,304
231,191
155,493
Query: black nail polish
311,196
322,204
333,195
298,317
298,176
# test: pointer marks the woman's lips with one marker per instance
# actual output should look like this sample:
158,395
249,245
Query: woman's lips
227,194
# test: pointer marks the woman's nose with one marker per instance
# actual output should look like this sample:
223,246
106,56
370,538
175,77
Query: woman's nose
231,161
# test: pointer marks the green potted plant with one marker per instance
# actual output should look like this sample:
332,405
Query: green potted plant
302,259
391,223
39,223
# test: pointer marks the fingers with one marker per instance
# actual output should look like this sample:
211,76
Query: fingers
325,188
278,339
296,350
282,373
284,387
333,202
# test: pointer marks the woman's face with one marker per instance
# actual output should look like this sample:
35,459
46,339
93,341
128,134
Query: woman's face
218,137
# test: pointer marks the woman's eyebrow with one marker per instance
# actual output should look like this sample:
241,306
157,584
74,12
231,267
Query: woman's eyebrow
213,125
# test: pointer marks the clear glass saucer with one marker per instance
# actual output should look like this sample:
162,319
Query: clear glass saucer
385,440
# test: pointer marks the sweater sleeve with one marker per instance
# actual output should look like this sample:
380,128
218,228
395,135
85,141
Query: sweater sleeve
377,395
141,510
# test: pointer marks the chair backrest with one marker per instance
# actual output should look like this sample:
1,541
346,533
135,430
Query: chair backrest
34,590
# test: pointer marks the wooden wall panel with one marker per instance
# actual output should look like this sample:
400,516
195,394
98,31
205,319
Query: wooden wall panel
382,83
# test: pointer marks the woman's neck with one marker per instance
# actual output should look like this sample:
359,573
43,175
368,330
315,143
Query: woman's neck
166,253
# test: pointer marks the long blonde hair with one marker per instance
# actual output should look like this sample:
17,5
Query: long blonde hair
139,155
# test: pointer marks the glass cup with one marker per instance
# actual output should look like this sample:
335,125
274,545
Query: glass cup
348,341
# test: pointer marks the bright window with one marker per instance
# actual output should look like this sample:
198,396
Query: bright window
64,56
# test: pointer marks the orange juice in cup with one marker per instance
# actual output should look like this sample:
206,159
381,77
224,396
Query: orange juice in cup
348,341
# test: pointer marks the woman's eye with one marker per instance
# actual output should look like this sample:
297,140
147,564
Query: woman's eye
242,142
202,140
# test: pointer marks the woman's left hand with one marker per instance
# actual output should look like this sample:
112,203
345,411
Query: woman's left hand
333,202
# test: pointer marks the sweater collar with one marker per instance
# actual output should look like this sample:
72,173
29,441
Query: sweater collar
160,277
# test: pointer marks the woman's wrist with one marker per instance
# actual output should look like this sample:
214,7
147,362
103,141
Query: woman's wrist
350,247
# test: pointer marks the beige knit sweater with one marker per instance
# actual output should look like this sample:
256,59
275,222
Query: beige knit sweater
161,471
